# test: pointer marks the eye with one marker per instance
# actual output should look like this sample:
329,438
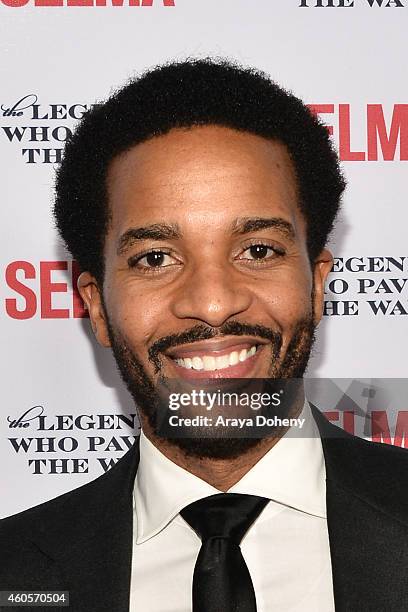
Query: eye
260,251
151,261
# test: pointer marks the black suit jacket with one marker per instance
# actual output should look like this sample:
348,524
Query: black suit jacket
81,542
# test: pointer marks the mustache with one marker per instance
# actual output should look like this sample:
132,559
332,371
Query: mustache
203,332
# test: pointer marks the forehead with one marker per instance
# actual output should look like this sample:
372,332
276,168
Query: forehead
202,175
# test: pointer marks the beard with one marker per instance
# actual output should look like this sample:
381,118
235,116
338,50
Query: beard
146,395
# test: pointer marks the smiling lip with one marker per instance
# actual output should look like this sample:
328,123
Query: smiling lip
228,357
214,346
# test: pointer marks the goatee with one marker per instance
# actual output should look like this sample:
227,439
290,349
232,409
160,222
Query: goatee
147,398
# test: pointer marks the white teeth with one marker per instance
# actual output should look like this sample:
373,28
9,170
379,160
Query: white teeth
209,363
234,358
197,363
222,362
243,355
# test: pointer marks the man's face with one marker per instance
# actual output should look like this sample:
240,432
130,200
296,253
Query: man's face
206,267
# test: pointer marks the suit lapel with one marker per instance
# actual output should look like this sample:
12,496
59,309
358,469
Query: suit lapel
369,563
367,527
91,540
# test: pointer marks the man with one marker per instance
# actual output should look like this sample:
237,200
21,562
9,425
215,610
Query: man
198,201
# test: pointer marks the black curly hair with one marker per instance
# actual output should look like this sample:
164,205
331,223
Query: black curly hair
186,94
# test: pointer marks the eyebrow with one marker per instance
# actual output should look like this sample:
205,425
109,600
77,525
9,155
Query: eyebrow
166,231
245,225
157,231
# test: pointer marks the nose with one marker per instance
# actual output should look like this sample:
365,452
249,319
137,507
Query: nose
211,294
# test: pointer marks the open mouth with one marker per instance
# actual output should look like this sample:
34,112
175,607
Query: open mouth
210,363
217,358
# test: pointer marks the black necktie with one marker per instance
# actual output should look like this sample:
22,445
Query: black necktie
221,581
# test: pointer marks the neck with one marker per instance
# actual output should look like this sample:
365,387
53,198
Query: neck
219,473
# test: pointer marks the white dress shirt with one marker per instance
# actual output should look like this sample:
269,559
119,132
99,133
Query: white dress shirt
286,549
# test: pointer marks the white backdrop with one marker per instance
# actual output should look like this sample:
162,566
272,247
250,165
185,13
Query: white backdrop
61,419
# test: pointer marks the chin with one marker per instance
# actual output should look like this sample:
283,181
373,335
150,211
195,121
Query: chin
214,448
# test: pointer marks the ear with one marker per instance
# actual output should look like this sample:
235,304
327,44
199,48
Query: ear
91,295
322,266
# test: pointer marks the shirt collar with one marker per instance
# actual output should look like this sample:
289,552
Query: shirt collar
162,489
292,473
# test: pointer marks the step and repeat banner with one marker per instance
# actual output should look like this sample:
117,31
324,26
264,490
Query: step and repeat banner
66,417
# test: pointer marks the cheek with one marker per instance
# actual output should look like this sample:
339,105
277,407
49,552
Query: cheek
286,302
135,315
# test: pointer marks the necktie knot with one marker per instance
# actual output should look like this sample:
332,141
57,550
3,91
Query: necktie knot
224,515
